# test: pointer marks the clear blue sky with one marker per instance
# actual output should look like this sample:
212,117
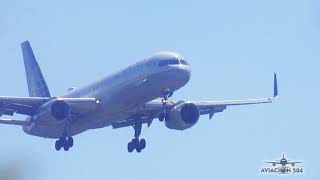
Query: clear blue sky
233,48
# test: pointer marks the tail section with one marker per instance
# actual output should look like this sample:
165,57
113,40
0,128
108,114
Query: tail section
37,86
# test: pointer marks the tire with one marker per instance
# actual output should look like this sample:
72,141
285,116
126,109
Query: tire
66,147
142,144
62,140
138,149
58,145
70,141
130,147
135,141
161,118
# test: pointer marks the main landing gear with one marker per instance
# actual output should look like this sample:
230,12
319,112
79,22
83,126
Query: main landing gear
136,143
64,142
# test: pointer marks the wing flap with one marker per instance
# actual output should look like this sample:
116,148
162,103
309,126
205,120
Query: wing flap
21,105
204,104
82,105
29,105
14,122
130,122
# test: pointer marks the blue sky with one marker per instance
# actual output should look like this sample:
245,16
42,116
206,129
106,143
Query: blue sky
233,48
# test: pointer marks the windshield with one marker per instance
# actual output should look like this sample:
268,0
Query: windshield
172,62
184,62
168,62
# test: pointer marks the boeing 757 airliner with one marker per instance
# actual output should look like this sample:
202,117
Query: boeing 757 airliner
133,96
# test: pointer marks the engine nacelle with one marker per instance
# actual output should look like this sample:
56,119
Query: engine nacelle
54,111
182,116
60,110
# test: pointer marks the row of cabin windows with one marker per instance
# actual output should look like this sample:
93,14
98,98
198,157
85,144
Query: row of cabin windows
172,62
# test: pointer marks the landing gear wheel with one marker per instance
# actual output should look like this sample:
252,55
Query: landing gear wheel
135,142
161,117
70,141
142,143
138,149
58,145
130,147
62,140
66,147
65,143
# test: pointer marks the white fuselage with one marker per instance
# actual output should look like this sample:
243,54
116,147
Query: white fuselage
120,94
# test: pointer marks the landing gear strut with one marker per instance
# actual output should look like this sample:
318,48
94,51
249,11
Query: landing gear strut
166,94
64,142
135,143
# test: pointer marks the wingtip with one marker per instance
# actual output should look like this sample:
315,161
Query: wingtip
275,86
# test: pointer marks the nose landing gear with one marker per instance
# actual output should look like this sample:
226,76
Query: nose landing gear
165,99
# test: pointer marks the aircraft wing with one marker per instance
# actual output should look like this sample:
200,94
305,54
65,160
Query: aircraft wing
205,107
14,122
20,105
273,162
154,109
212,107
293,162
29,106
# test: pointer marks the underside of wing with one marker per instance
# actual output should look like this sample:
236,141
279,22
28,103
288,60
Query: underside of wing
14,122
30,105
272,162
20,105
211,107
294,162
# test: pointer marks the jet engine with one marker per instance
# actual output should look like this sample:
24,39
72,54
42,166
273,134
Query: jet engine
60,110
54,111
183,115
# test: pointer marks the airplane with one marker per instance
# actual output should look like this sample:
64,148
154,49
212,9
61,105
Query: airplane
133,96
283,162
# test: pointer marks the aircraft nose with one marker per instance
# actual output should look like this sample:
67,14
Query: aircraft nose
185,74
188,73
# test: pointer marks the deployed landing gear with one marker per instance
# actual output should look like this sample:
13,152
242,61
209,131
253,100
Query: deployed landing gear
161,117
166,94
64,142
135,143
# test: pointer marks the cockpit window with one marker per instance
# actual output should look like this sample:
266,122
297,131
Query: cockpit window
168,62
173,61
184,62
